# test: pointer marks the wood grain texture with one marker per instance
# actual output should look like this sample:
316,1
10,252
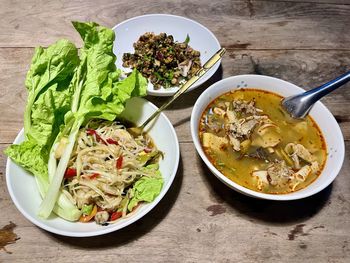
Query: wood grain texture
201,220
254,24
305,42
340,2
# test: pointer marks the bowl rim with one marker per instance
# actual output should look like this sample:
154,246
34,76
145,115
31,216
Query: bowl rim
242,189
163,92
132,219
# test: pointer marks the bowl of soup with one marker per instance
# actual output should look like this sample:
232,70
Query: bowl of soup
251,144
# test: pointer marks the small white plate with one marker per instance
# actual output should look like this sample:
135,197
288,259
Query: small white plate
201,39
24,193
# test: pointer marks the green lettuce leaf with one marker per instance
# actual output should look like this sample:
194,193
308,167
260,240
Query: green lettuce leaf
48,113
52,68
33,158
49,99
103,95
146,189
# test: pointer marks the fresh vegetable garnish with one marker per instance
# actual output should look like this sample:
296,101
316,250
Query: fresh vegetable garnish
146,189
119,162
111,141
87,217
70,172
87,209
187,40
94,176
115,215
90,132
98,137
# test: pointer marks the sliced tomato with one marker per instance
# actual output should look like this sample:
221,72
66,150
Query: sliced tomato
115,216
70,172
87,218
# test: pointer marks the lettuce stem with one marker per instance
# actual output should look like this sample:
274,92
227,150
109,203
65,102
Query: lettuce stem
49,201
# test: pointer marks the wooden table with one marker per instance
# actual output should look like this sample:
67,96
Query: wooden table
306,42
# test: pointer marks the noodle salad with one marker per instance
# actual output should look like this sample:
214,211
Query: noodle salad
110,172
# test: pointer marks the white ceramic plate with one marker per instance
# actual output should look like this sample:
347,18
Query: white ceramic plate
201,39
323,117
23,190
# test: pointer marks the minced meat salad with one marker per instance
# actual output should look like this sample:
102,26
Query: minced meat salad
163,61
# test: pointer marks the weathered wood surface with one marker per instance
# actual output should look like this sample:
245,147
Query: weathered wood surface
199,220
257,24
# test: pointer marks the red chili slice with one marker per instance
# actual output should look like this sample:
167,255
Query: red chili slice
98,137
94,176
119,163
111,141
70,172
90,132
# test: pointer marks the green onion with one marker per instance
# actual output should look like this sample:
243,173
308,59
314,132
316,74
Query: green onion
87,209
187,40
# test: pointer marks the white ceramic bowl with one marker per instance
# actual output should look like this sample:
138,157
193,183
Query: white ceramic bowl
201,39
23,190
323,117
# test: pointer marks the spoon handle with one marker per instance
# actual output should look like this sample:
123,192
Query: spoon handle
319,92
208,65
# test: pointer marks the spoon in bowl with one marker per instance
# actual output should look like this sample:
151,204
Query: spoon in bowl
298,106
208,65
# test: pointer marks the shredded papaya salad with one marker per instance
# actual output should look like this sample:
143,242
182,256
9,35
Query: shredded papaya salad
85,163
110,172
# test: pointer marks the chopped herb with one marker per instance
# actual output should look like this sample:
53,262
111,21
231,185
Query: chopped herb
187,40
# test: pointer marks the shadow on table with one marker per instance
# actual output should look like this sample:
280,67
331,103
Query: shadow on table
265,211
135,230
188,99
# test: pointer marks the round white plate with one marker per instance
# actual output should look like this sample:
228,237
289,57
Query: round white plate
24,193
201,39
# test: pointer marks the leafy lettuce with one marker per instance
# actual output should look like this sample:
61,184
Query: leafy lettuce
146,188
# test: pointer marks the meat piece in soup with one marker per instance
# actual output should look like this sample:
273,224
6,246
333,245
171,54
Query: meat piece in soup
250,139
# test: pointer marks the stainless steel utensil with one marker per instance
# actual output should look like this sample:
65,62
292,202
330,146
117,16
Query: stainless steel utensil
211,62
298,106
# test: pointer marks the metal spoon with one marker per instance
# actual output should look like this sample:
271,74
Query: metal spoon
208,65
298,106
